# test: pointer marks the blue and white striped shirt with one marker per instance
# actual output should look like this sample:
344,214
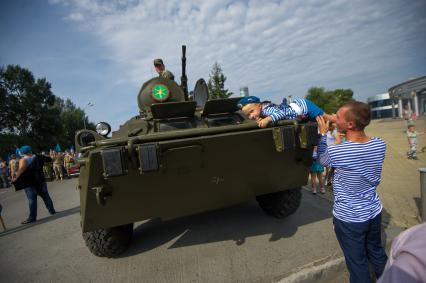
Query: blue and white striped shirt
285,111
358,169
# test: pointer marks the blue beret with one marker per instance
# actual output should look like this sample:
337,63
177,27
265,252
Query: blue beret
247,100
25,149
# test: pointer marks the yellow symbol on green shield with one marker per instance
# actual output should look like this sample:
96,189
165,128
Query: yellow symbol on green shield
160,92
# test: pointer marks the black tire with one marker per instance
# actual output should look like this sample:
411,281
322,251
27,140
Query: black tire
280,204
109,242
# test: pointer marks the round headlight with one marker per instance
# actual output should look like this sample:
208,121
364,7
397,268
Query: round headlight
103,128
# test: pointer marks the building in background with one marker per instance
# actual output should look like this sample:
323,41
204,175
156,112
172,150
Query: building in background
381,106
244,91
411,93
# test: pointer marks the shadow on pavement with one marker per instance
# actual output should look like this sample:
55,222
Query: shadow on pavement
234,223
59,214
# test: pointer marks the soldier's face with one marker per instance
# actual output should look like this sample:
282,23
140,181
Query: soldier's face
252,110
159,68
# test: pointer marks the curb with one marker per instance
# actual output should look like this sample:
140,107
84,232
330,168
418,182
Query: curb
319,273
332,268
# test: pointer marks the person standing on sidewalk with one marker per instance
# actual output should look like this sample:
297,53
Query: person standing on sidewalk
357,208
3,173
316,170
57,166
30,174
331,139
407,114
13,166
412,142
68,160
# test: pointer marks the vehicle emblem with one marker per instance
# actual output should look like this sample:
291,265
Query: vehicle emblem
160,93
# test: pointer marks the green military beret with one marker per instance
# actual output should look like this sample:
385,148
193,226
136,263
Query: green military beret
158,61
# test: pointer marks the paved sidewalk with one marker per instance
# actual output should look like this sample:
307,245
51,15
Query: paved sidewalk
399,189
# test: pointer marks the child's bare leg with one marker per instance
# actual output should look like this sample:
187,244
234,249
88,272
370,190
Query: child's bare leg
321,182
313,183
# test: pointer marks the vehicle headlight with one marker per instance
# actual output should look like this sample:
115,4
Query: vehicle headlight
103,128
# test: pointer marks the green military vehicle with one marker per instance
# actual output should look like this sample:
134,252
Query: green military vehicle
183,156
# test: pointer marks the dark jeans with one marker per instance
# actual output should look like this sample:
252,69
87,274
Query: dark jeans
32,200
361,244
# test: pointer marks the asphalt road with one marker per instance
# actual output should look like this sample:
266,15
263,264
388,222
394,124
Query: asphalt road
237,244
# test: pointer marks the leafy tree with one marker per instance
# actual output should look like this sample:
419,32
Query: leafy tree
216,84
72,120
331,100
31,114
27,109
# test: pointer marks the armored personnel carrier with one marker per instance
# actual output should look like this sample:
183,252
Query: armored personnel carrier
183,156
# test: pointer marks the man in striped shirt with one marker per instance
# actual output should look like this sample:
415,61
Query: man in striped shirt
357,208
266,113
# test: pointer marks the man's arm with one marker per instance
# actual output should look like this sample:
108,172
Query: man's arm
323,154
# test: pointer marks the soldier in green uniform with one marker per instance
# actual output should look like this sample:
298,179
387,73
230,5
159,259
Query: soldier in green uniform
47,168
161,70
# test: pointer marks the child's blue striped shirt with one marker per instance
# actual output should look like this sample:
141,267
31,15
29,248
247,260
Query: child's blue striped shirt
284,111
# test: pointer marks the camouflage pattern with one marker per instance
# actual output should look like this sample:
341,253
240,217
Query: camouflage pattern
158,61
167,75
48,170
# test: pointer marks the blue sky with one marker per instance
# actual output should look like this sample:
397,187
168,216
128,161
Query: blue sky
101,51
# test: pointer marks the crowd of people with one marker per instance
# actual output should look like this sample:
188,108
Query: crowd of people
59,168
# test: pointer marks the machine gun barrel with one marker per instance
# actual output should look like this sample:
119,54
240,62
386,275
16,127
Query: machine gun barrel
183,78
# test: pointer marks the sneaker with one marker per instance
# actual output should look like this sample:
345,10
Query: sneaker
322,190
27,221
314,192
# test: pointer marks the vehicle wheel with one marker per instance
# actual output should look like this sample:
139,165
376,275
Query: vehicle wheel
280,204
109,242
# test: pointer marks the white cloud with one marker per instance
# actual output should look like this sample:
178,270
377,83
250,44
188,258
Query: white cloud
279,47
76,17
